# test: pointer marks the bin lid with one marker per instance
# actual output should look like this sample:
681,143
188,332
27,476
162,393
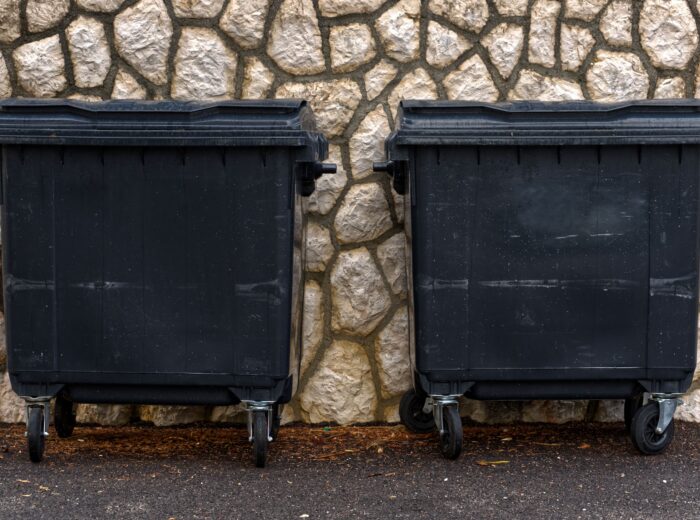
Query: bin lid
158,123
542,123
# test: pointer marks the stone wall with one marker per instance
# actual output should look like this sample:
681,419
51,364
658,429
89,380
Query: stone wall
354,60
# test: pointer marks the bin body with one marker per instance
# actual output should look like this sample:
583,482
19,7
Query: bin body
554,247
152,251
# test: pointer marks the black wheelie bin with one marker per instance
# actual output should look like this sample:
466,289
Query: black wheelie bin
552,254
153,253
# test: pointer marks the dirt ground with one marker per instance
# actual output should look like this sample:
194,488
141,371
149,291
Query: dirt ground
583,470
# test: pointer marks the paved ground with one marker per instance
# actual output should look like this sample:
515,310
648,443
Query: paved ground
523,471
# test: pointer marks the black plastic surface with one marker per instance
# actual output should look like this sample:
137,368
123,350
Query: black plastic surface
159,269
554,247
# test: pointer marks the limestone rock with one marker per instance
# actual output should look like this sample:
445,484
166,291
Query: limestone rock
333,102
341,389
102,6
689,411
399,29
511,7
90,98
9,20
505,44
367,143
313,324
584,9
399,201
171,415
332,8
391,352
391,414
610,411
257,79
378,77
557,412
40,67
359,298
543,25
491,412
467,14
697,89
244,21
89,51
329,187
204,67
414,85
142,35
295,39
232,414
532,85
616,23
319,248
670,88
363,214
126,87
5,92
576,43
392,258
3,345
668,33
197,8
471,81
104,414
351,46
11,406
45,14
617,76
444,46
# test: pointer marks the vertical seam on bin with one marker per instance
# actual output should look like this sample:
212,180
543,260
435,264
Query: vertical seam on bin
650,216
101,152
143,258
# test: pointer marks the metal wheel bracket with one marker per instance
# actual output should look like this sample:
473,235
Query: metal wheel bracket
439,403
38,402
259,406
428,405
667,407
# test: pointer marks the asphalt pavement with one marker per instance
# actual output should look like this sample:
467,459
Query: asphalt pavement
582,470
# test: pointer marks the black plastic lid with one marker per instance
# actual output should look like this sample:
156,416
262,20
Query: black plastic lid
539,123
162,123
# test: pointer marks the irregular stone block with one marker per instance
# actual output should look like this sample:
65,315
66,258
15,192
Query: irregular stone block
204,67
142,36
89,51
295,39
257,79
399,29
668,33
378,77
341,390
505,45
534,86
471,81
367,143
391,352
351,46
40,67
363,215
244,21
45,14
617,76
359,298
444,46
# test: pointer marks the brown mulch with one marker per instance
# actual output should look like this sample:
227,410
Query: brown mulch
303,442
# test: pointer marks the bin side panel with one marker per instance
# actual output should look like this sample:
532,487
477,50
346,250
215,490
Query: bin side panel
562,244
673,290
29,255
167,261
559,259
444,196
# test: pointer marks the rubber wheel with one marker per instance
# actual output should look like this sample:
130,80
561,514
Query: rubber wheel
643,430
35,433
260,438
412,414
63,417
451,439
276,420
631,406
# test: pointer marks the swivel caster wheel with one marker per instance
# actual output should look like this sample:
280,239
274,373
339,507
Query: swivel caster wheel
412,414
451,433
643,430
36,434
64,417
260,438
